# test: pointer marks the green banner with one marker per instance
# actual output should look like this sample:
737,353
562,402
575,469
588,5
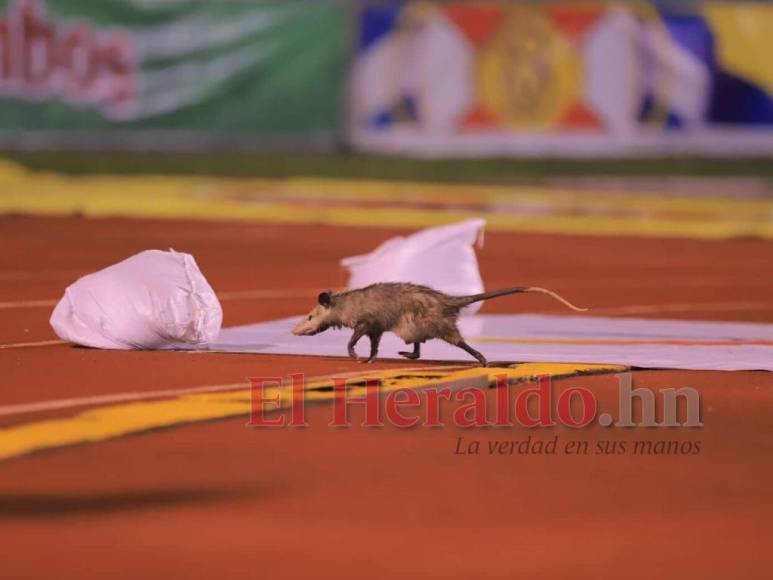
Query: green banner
187,67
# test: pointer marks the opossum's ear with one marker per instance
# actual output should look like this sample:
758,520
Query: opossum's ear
326,298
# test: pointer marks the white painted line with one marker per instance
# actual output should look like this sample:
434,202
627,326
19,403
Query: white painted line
60,404
268,294
31,344
223,296
685,307
41,274
27,304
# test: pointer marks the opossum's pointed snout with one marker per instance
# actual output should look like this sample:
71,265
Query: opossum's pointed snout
303,328
306,331
311,324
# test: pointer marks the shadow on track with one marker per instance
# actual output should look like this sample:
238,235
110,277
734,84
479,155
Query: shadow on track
83,504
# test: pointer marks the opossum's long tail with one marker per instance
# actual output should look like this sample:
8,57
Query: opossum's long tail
486,295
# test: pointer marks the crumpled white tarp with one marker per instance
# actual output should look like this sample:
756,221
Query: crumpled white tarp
152,300
441,257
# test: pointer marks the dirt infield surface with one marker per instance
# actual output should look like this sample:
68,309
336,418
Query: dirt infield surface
218,499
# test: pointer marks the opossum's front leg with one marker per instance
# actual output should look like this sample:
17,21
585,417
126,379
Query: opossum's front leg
375,339
358,334
464,346
412,355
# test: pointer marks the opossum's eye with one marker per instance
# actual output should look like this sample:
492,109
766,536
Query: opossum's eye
309,317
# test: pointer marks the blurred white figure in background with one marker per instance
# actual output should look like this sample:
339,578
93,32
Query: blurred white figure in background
428,87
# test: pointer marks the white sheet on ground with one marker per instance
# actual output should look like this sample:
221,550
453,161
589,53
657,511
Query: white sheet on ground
674,344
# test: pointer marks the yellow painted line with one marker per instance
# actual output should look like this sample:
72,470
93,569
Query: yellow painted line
112,421
381,203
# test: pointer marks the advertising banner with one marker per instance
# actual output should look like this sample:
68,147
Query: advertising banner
184,73
577,79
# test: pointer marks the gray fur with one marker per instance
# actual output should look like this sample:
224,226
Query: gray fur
414,313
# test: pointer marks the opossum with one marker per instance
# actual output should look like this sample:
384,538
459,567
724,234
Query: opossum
414,313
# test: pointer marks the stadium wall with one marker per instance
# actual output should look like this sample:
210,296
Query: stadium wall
436,79
177,75
564,79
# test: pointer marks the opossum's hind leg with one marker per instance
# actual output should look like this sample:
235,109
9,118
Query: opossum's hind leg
375,339
358,334
412,355
464,346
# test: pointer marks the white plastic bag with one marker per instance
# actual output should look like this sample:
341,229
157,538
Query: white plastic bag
152,300
442,258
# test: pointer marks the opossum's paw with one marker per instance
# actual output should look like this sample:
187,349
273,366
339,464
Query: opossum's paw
408,355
